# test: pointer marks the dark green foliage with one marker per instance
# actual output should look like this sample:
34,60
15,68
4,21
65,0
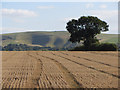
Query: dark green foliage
108,47
97,47
16,47
0,48
118,46
6,37
79,48
24,47
85,29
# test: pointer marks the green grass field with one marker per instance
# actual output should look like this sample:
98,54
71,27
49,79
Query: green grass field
110,38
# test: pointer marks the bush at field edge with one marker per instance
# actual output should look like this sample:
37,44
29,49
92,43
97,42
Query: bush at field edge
97,47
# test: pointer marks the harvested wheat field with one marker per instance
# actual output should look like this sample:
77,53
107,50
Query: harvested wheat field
59,69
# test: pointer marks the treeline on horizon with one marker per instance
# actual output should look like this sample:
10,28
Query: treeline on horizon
98,47
95,47
24,47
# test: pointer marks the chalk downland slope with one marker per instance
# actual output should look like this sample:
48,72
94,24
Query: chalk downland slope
49,39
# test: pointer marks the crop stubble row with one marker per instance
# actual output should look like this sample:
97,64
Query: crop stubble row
62,69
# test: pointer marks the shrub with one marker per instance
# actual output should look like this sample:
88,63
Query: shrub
97,47
108,47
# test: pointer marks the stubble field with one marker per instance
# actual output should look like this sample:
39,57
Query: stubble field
59,69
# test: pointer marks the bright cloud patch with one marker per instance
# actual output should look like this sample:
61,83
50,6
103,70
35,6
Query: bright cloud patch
18,13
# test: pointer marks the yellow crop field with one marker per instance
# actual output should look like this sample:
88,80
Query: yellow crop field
59,69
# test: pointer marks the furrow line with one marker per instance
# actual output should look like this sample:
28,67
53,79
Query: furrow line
72,80
41,69
88,66
91,60
104,54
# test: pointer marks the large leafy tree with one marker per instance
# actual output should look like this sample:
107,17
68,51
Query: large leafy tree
85,29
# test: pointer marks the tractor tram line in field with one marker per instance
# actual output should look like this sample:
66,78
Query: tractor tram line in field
48,80
93,60
19,71
111,53
90,60
65,62
88,66
71,80
36,76
62,69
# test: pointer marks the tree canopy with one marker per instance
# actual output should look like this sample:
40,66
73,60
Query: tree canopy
85,29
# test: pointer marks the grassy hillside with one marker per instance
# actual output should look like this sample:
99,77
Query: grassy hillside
111,38
42,39
48,39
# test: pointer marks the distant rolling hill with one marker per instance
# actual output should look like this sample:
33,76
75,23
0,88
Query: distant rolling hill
48,39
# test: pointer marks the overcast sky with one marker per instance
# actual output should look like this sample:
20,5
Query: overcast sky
53,16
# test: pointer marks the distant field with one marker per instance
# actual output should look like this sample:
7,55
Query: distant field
62,69
110,38
49,39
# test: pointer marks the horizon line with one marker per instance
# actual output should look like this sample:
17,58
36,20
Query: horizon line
47,31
